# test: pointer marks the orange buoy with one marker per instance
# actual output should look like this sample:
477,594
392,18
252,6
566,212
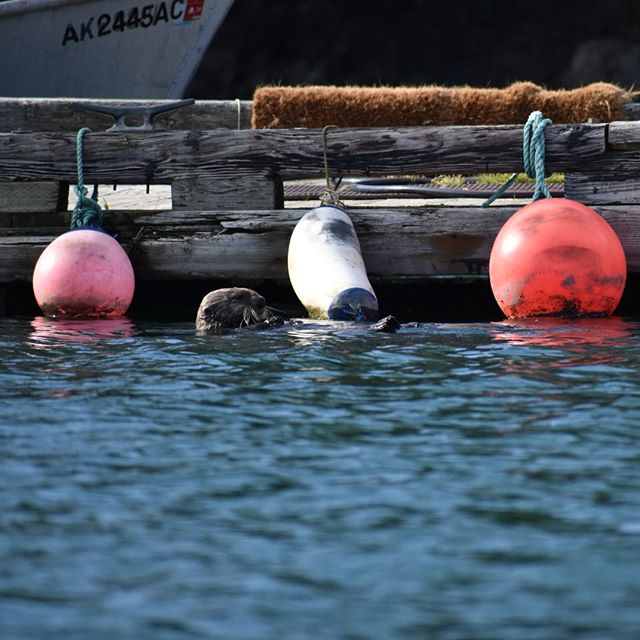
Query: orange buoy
84,273
556,257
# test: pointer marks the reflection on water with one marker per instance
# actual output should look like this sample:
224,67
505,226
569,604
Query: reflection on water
309,333
48,332
584,341
559,332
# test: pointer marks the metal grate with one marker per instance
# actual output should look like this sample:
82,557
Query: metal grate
376,188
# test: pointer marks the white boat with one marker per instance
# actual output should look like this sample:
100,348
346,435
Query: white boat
104,48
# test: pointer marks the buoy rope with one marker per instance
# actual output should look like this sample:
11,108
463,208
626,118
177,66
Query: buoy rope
533,156
330,196
87,212
534,152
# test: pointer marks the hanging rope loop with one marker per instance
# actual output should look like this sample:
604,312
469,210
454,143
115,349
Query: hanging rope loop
87,212
533,152
533,156
330,196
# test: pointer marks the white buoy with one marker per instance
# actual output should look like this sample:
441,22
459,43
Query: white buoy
326,268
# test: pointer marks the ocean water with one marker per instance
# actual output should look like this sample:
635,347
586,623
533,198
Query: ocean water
451,481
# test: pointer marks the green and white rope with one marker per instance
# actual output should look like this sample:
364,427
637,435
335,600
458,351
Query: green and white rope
87,212
533,156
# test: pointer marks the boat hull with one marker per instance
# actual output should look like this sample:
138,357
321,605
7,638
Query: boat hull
104,48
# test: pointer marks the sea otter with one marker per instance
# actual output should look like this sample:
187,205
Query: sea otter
237,307
233,308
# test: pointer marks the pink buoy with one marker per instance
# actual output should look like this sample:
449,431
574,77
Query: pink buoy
83,273
49,332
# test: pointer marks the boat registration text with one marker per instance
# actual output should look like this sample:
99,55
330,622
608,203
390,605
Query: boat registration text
141,17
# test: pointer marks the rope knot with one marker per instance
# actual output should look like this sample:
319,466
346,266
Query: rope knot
533,156
329,196
533,152
87,212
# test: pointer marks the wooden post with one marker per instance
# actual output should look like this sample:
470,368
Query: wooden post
246,191
602,188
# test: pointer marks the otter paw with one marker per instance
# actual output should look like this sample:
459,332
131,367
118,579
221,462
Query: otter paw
388,324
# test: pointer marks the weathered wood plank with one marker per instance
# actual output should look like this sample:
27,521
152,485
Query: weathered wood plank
602,188
239,192
48,114
625,221
396,242
624,135
31,197
613,162
19,254
14,222
162,157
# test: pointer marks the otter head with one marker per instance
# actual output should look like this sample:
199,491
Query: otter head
230,308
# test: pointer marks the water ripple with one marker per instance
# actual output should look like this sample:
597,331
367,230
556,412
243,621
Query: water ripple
448,481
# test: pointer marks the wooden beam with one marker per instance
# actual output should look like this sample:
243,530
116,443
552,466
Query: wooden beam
21,197
624,135
602,188
250,245
50,114
163,157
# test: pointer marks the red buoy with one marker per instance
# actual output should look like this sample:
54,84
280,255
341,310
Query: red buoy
556,257
83,273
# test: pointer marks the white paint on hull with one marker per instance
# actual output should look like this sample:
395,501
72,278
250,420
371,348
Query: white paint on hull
104,48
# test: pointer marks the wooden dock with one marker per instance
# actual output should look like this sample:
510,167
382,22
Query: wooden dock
222,215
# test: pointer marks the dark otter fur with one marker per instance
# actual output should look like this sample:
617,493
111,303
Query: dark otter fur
231,308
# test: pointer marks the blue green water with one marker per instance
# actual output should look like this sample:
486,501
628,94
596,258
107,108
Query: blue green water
451,481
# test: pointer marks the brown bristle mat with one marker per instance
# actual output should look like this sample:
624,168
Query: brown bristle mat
317,106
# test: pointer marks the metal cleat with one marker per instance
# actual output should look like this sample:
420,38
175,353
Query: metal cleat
120,113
